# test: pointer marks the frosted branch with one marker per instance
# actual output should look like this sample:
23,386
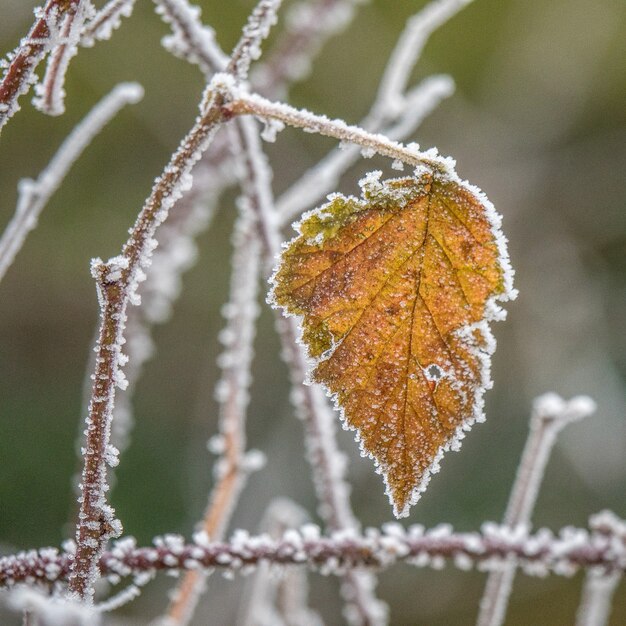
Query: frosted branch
50,94
117,281
598,591
243,103
550,415
391,94
538,554
257,29
327,462
190,39
34,194
176,253
600,585
232,394
280,600
20,73
321,179
309,24
106,20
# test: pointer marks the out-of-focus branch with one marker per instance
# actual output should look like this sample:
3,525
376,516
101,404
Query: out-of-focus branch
323,177
550,415
280,601
600,585
106,20
34,194
327,462
20,74
232,394
309,25
538,554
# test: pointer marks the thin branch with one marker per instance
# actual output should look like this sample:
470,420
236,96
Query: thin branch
550,415
279,600
322,178
600,586
309,25
242,103
257,29
539,554
327,462
391,93
50,94
106,20
597,598
34,194
191,40
20,74
117,282
232,394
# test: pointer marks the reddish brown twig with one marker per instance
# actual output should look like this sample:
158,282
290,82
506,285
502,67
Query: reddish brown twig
18,77
117,281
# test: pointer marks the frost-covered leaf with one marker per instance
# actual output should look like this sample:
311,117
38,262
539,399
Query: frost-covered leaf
395,292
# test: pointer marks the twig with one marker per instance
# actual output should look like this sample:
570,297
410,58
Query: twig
248,47
34,194
117,281
309,24
20,74
327,462
108,18
600,586
322,178
539,553
241,103
392,89
50,94
191,40
232,394
279,600
597,598
550,415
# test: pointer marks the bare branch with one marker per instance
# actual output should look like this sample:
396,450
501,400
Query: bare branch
34,194
20,74
327,462
600,585
232,394
252,104
391,93
539,554
117,281
597,597
248,48
106,20
322,178
309,25
550,415
279,600
50,94
190,39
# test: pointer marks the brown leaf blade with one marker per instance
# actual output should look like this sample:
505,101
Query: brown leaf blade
395,292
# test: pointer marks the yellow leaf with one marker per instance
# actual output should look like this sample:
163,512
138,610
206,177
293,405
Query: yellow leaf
395,291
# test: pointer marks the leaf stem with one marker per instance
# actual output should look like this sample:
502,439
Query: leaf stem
243,103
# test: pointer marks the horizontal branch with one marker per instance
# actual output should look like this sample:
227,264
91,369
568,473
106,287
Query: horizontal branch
538,554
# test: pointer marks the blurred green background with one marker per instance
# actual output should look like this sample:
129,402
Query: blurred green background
538,122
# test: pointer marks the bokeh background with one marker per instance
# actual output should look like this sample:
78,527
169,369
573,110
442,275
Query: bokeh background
538,121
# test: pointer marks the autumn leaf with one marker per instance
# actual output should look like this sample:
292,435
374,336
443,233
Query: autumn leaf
395,292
